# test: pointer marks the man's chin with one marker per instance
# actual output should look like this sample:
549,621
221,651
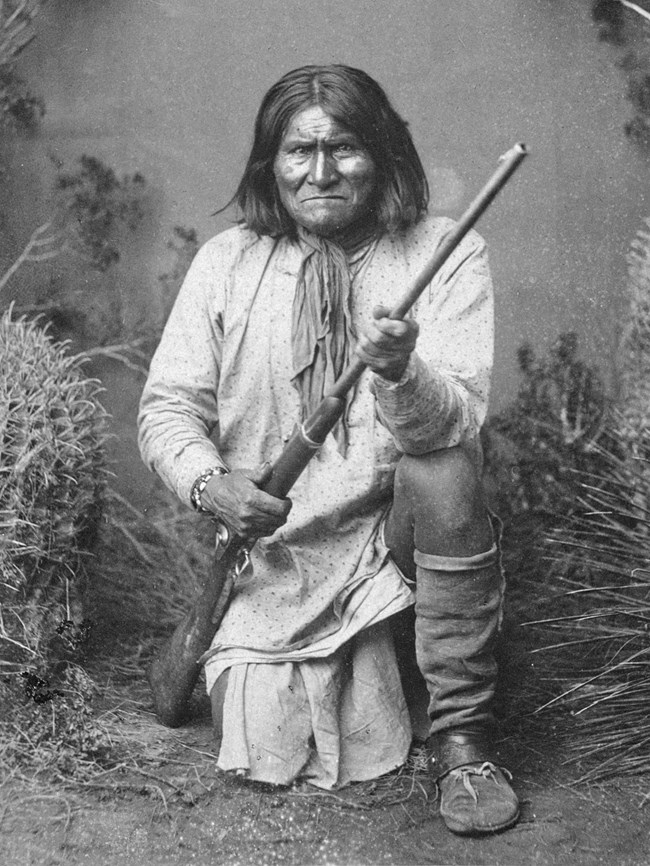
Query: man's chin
329,226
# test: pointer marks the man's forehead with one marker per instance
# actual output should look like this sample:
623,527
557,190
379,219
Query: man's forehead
315,122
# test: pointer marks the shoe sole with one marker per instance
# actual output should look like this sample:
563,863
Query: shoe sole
462,830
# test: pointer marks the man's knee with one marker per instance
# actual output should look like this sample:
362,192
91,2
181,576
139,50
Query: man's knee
445,475
443,487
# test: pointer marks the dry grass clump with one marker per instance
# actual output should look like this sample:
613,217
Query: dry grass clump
601,568
65,719
602,636
634,363
52,731
52,482
148,568
52,470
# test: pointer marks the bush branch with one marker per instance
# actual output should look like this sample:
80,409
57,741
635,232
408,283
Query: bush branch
42,245
635,8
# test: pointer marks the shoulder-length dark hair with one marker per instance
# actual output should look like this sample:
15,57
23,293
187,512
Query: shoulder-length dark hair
355,100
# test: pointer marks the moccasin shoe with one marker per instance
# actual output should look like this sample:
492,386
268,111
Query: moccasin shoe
477,798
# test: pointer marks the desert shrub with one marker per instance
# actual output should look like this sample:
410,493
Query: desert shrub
634,351
183,245
610,16
148,568
95,217
52,469
97,205
18,107
534,447
598,653
52,483
600,569
626,26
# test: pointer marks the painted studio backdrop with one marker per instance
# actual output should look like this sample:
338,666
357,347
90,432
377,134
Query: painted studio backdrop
164,92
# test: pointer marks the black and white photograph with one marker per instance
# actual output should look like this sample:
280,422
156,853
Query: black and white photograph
325,432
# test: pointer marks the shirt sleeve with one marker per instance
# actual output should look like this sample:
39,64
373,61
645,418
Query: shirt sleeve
178,409
442,398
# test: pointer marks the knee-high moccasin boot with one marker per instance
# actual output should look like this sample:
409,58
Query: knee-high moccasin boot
457,619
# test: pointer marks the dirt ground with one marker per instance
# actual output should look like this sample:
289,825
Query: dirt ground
176,808
185,812
161,800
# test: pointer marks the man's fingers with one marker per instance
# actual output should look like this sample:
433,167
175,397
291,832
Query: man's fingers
259,500
257,521
256,528
386,344
249,511
396,328
260,475
387,336
380,312
382,324
264,504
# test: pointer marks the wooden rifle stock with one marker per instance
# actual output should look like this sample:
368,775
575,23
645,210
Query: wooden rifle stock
175,670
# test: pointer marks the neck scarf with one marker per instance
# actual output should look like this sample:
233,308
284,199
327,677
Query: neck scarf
323,335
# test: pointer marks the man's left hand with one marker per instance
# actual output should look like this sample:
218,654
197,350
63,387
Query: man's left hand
386,344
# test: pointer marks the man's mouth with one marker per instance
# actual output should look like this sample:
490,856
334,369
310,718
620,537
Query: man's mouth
324,198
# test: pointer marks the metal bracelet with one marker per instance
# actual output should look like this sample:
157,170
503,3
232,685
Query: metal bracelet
199,486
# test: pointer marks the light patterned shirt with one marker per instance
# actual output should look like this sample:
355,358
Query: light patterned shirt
219,392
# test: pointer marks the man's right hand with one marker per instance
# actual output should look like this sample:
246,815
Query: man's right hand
238,501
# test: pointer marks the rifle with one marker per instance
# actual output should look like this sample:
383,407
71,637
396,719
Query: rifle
175,671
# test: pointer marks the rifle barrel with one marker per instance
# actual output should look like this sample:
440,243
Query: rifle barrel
306,439
174,671
508,163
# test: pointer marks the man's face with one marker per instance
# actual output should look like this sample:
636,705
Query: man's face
324,174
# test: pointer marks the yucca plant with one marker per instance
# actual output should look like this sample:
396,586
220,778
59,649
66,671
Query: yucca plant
52,465
52,481
635,364
601,567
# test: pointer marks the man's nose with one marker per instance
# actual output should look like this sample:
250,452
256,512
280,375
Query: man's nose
322,171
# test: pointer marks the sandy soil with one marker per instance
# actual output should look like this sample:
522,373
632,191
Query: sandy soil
162,801
185,812
167,804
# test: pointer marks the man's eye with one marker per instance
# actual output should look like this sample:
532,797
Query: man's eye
300,150
344,148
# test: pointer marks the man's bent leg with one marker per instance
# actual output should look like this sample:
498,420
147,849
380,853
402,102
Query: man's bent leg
439,532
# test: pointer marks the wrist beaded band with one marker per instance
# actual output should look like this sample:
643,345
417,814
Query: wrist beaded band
199,486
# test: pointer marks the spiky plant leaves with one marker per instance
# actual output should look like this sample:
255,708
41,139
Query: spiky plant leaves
634,363
52,483
52,479
601,565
